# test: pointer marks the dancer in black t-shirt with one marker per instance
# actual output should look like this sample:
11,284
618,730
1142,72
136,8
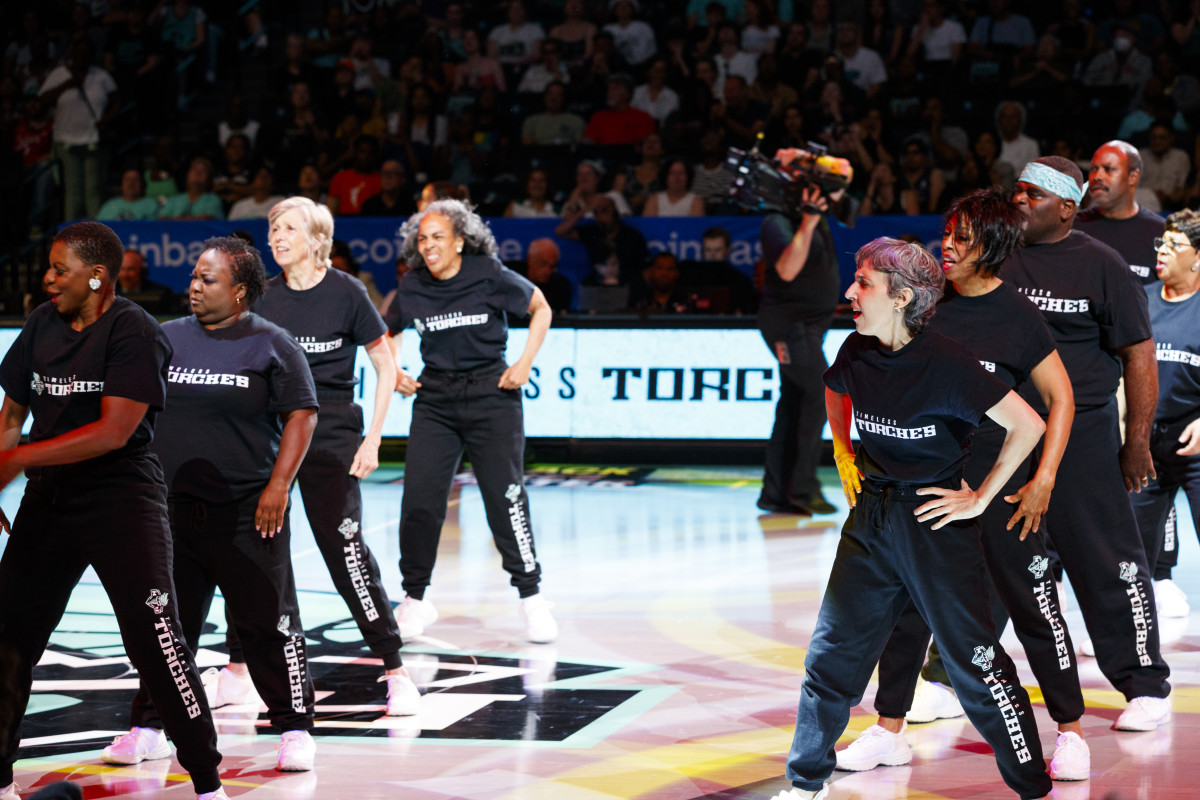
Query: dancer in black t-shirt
458,296
1115,217
1002,329
1097,312
241,411
1175,439
912,534
92,369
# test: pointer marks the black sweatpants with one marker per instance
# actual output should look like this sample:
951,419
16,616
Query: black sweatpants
1154,506
216,546
1021,586
886,558
793,451
1092,525
333,504
453,412
109,513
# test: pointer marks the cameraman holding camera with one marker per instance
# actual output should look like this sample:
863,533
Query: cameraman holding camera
800,293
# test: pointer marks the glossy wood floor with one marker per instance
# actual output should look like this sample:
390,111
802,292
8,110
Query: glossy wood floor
684,617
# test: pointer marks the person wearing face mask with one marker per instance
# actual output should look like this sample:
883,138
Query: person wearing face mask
458,296
913,533
1122,64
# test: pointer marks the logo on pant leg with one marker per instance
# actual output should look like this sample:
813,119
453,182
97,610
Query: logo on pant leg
513,492
1039,566
348,528
157,600
983,657
1129,571
285,624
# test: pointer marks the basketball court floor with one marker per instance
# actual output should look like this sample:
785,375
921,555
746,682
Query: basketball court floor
684,617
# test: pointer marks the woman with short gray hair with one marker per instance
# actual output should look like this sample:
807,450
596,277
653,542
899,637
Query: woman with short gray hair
913,531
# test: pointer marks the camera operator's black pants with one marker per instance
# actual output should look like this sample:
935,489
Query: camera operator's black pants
1154,506
217,546
1021,586
885,559
794,448
333,504
109,513
453,412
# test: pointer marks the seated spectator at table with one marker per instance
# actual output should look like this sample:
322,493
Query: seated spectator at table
1165,168
742,118
479,69
550,69
618,123
715,272
636,182
541,260
605,289
553,126
517,42
606,228
677,199
197,200
1120,64
633,38
261,200
132,203
232,181
394,198
576,33
1016,149
133,283
712,180
537,204
351,187
663,294
654,96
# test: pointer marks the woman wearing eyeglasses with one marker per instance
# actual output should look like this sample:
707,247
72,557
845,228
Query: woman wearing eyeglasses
1175,438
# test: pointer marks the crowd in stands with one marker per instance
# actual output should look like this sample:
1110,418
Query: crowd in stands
580,109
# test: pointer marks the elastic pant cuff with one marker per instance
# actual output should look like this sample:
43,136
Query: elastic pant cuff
206,782
528,591
392,660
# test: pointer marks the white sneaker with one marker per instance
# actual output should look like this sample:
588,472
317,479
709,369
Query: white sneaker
234,689
403,698
1170,599
933,701
800,794
219,794
414,616
9,792
1088,648
1062,597
875,747
1072,759
140,744
1144,714
540,627
297,751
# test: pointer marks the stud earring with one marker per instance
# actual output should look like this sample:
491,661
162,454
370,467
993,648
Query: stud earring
94,284
458,250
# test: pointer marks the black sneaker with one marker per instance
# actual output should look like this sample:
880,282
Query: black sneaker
812,505
781,508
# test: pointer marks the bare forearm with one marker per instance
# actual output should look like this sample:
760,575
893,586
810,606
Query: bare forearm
839,410
1023,428
539,325
795,255
293,445
385,375
1141,391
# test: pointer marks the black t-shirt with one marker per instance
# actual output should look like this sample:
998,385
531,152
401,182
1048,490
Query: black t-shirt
330,321
812,295
61,374
462,320
219,435
1094,306
915,407
1177,346
1133,238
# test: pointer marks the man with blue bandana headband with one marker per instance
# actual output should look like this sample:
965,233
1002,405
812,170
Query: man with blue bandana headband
1096,310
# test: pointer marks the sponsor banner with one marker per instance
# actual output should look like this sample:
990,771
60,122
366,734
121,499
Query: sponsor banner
171,248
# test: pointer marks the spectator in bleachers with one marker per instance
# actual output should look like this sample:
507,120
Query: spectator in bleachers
338,100
654,96
786,130
342,259
634,39
134,57
761,33
698,11
394,198
1042,75
730,59
821,29
742,118
883,195
1075,32
423,133
619,123
1183,89
715,271
237,120
798,66
948,144
30,45
769,90
677,199
296,67
881,34
553,125
85,101
369,71
1120,64
1148,31
232,181
537,204
997,39
441,190
584,196
329,43
1016,149
33,138
309,184
197,200
1185,31
636,182
261,200
160,175
450,30
478,69
921,180
79,26
986,149
863,66
604,62
300,131
1165,168
576,32
133,283
550,69
606,273
470,149
542,266
518,41
1153,105
606,229
132,203
351,187
712,180
663,295
184,27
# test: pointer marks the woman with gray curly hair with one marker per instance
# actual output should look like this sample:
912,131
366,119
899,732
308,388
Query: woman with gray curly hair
914,396
458,296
